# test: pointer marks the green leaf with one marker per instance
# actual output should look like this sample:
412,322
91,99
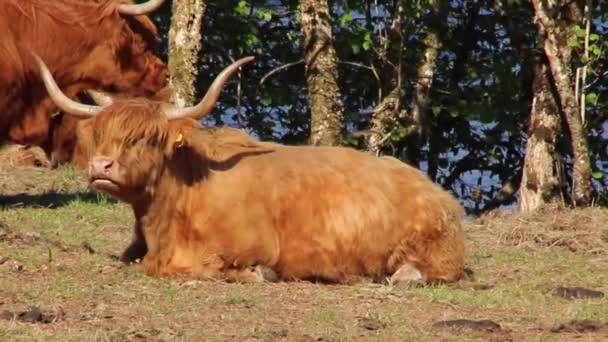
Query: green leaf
593,37
436,110
597,174
356,48
573,43
580,32
266,101
251,40
242,8
397,134
345,19
264,14
367,41
591,98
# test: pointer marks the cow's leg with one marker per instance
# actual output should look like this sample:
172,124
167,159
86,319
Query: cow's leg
406,275
210,268
137,249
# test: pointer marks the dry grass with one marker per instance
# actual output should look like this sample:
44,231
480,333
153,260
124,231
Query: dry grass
581,231
58,242
19,155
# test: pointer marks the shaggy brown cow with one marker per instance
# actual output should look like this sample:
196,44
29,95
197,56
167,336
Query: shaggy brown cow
214,203
101,44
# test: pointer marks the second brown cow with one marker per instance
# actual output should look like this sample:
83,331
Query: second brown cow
101,44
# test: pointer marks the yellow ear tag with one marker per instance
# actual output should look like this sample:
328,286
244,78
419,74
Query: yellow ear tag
179,141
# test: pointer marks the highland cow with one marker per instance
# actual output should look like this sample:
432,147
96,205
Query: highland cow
213,203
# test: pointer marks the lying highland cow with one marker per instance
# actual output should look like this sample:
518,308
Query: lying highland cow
214,203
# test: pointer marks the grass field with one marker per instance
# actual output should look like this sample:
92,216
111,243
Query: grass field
60,281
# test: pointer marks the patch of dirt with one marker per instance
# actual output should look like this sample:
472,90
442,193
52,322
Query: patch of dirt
33,315
484,325
581,326
371,323
583,231
577,293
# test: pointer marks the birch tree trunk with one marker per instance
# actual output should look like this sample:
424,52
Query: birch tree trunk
425,72
542,180
386,113
185,36
321,70
554,34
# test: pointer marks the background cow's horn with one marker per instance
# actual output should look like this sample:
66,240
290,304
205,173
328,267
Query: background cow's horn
59,98
206,105
101,98
145,8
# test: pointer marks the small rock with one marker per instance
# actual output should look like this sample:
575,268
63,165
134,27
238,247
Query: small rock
279,333
577,293
17,266
32,315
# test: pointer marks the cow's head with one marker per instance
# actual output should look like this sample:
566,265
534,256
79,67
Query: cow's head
131,50
68,147
130,141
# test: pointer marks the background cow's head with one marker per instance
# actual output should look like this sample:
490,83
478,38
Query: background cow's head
125,59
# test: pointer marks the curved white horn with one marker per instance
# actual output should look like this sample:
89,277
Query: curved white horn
139,9
100,97
206,105
59,98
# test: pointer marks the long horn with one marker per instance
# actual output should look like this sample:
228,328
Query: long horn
100,97
145,8
59,98
206,105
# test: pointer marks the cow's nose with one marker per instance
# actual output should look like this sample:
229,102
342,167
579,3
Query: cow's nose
100,164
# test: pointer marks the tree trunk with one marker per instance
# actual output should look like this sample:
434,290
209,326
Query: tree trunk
555,34
386,113
424,77
184,46
541,181
321,67
384,116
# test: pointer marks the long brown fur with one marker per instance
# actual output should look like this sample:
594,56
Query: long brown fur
86,44
213,203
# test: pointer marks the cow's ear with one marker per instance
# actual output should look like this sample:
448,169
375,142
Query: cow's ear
85,144
230,143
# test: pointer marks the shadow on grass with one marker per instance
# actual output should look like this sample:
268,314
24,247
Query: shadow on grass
53,200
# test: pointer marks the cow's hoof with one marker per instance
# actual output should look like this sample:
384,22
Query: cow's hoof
265,273
134,253
407,275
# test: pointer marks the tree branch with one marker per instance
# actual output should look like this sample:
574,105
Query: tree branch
277,69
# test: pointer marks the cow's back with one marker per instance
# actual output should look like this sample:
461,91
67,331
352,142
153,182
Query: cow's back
334,211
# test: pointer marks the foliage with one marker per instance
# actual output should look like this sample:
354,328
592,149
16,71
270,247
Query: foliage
479,102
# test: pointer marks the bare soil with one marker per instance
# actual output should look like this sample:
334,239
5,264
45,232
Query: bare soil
531,278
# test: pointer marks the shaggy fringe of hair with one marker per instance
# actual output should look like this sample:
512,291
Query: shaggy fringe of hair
136,120
72,12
